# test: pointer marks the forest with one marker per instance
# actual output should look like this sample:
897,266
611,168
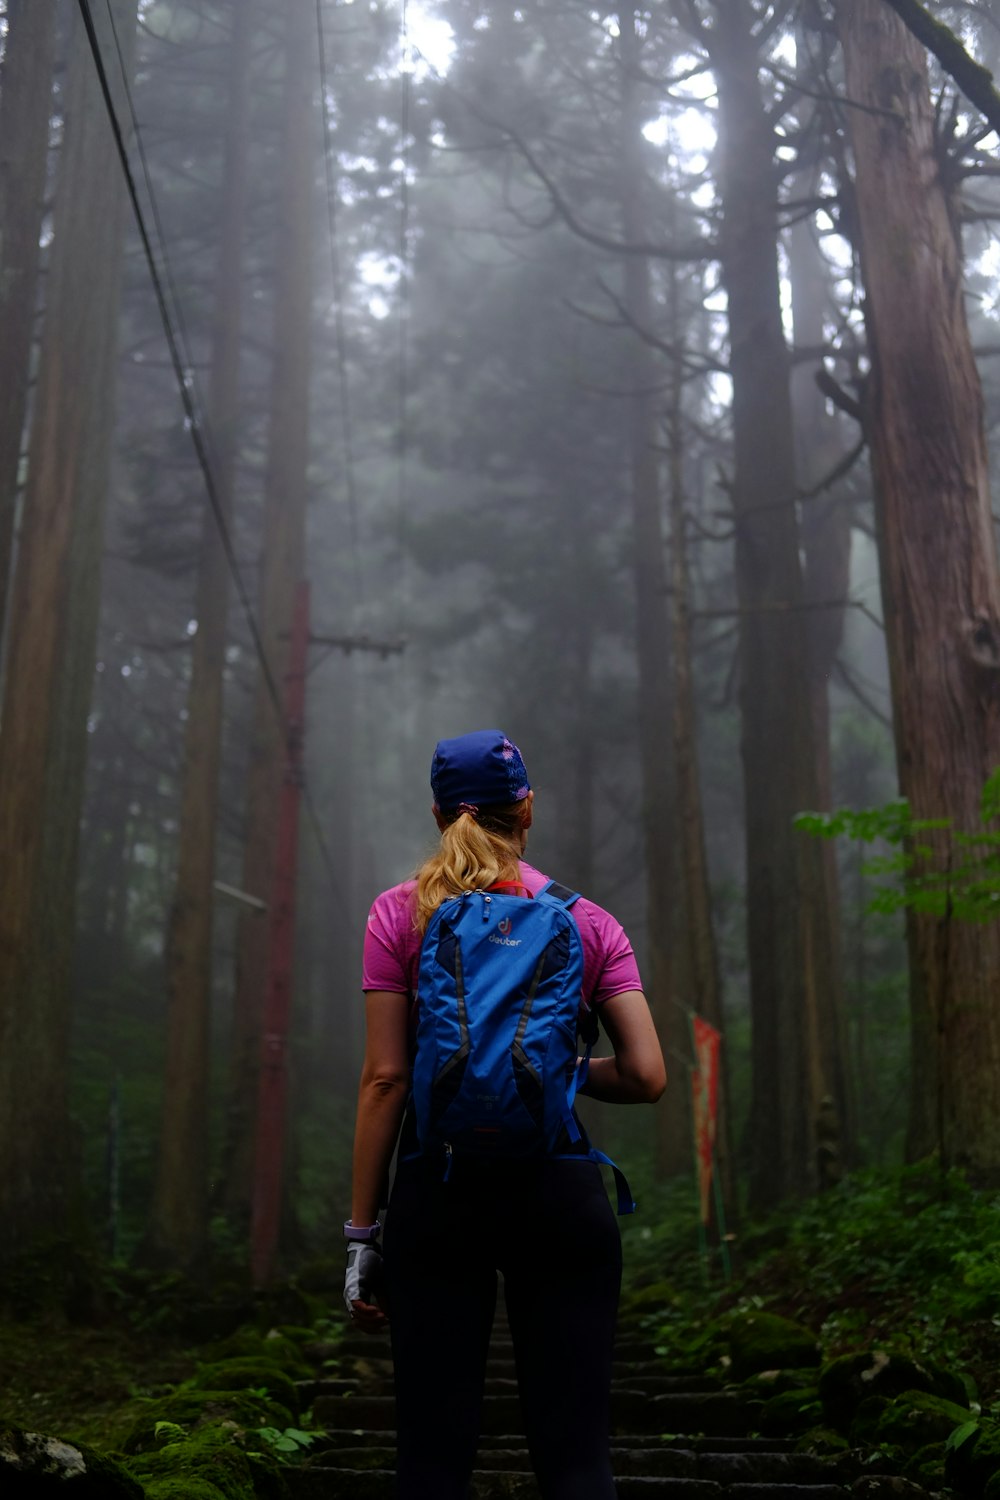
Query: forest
372,371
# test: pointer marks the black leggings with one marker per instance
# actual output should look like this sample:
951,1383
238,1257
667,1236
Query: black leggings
548,1227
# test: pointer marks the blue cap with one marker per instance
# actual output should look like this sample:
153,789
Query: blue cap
483,769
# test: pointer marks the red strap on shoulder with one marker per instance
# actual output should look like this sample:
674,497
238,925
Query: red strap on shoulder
511,885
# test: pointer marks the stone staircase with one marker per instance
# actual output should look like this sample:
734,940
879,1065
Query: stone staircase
675,1436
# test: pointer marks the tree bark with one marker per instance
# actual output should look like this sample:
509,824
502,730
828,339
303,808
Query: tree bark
178,1228
826,544
789,942
673,1150
938,561
43,740
25,96
280,569
705,987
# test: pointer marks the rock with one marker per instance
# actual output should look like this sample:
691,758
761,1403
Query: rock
916,1418
926,1466
887,1487
191,1409
34,1466
763,1341
209,1464
249,1375
866,1419
823,1441
851,1379
789,1413
768,1383
658,1295
274,1347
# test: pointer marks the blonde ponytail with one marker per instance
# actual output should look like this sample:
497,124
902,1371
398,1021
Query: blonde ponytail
476,851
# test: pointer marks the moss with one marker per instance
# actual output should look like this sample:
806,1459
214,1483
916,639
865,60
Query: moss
211,1456
866,1419
247,1374
251,1345
764,1341
192,1409
822,1441
916,1418
790,1412
848,1381
768,1383
293,1333
182,1487
926,1465
658,1295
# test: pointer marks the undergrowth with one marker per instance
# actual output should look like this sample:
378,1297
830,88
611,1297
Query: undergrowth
908,1259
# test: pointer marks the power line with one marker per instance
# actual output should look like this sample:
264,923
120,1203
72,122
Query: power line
339,321
187,400
184,341
181,376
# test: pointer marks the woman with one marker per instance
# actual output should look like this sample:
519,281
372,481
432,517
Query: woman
545,1223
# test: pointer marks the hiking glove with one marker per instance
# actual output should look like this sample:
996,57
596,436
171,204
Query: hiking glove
363,1280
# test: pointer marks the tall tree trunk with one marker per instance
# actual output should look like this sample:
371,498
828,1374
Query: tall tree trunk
25,97
282,553
789,942
43,740
178,1228
673,1153
704,995
938,560
826,543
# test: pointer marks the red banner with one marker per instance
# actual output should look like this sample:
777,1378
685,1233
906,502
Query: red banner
704,1102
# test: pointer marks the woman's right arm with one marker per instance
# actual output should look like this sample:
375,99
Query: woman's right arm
385,1082
636,1073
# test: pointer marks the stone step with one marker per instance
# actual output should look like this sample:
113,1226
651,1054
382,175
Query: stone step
713,1413
502,1382
316,1483
357,1437
664,1462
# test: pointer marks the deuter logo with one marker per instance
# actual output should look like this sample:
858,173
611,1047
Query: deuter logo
504,926
505,942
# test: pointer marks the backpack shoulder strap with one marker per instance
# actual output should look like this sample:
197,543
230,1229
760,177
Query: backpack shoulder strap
559,893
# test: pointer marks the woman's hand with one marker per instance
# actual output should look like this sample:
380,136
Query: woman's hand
364,1296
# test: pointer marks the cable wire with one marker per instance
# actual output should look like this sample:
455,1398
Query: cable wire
198,437
174,345
178,307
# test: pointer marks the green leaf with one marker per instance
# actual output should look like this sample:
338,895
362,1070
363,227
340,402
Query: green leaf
990,805
960,1435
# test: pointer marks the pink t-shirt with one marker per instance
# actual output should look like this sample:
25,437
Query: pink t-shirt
392,944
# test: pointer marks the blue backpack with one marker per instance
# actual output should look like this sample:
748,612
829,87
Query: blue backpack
498,1014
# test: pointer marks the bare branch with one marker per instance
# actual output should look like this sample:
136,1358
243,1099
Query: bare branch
975,81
